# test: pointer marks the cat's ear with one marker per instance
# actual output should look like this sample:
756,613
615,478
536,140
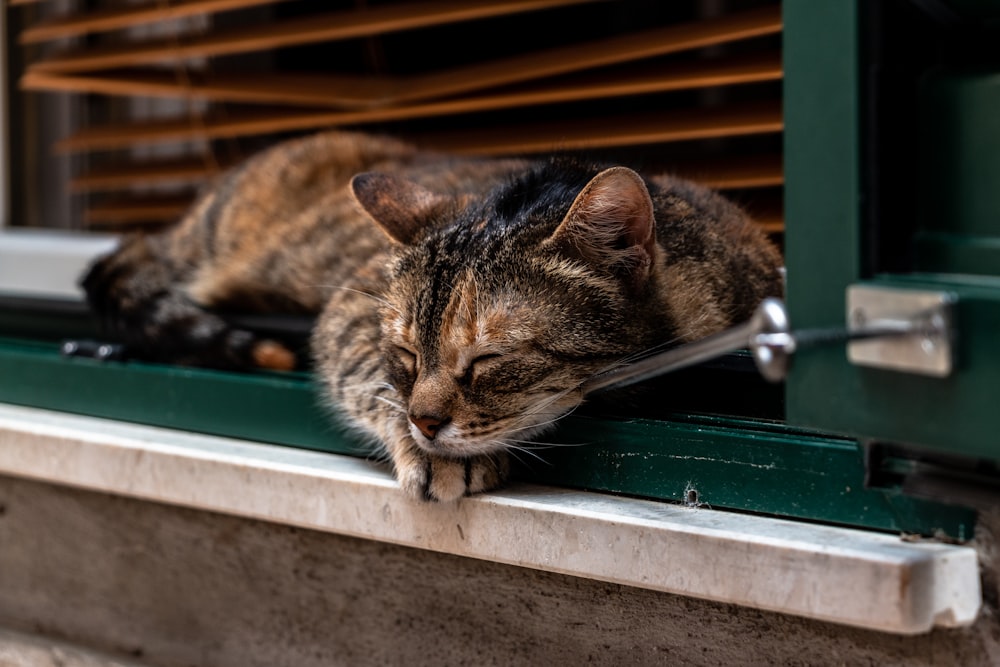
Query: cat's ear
402,209
611,225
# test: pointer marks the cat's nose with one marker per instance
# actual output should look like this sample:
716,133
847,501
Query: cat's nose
429,425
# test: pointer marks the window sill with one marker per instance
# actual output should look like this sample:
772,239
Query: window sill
834,574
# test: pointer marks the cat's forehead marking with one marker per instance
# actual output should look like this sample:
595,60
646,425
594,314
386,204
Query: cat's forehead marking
403,328
477,322
398,319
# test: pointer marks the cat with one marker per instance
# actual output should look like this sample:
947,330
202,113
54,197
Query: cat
460,302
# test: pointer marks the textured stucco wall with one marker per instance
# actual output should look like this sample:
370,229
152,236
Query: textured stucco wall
157,585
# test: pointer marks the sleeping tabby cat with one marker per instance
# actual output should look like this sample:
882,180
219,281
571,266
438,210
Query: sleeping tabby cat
461,302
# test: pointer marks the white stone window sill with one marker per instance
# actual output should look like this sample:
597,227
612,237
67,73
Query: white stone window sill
834,574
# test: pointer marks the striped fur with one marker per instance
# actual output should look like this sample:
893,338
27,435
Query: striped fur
461,302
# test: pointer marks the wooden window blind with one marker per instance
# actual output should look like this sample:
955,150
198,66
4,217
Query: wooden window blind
176,90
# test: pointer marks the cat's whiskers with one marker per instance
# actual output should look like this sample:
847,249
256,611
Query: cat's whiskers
637,355
641,354
543,425
367,386
537,444
514,450
398,405
694,324
527,423
505,425
541,407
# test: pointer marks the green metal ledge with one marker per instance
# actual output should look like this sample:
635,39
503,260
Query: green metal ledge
725,463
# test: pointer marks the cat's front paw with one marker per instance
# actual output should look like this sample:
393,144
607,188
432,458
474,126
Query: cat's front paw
441,479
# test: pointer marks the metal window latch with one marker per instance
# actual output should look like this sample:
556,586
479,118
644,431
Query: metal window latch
903,330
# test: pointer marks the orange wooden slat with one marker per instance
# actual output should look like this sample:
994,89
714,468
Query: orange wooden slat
736,172
325,90
744,172
771,224
115,18
660,127
264,121
605,132
334,91
770,217
138,210
730,173
595,53
186,170
339,25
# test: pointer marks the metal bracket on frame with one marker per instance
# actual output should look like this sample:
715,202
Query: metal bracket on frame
915,329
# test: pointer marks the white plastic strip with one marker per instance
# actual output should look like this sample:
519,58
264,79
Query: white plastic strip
47,263
833,574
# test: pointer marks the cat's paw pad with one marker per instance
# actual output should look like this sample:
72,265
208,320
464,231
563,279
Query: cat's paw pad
272,355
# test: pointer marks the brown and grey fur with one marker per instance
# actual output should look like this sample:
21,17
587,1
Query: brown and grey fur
461,302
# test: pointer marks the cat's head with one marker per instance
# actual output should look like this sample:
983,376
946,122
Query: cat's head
499,308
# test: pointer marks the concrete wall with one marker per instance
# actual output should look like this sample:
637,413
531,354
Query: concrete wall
148,584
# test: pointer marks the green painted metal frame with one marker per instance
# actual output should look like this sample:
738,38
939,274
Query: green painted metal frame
822,191
746,465
824,139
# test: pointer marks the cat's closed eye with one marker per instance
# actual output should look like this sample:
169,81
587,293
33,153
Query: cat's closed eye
408,357
477,365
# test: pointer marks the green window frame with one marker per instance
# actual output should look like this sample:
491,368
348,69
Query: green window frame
826,248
